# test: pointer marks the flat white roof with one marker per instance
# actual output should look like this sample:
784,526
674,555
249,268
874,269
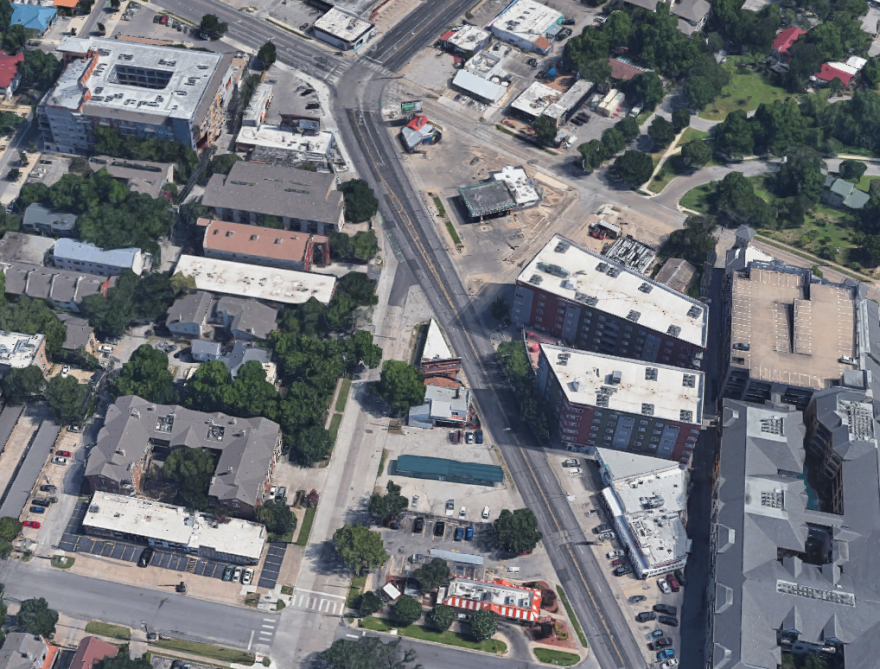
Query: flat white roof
259,101
478,85
569,99
577,274
262,283
277,137
484,64
436,347
622,465
469,37
18,350
181,76
344,25
519,184
675,394
527,18
536,99
164,522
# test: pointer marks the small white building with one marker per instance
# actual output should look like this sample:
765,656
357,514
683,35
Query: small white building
528,25
520,185
468,40
204,351
258,107
77,256
285,144
610,103
343,29
534,101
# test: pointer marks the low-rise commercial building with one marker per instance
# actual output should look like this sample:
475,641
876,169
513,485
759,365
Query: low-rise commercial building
528,25
258,106
466,41
141,176
510,189
18,351
604,401
531,103
646,499
419,132
174,527
599,305
33,17
438,469
437,358
284,146
488,90
10,77
81,257
343,29
60,288
443,407
264,246
504,599
298,199
188,316
45,221
611,103
135,432
245,319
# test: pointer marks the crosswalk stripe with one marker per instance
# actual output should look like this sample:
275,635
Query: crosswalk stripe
270,620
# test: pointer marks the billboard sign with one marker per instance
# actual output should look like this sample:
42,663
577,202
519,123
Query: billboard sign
412,106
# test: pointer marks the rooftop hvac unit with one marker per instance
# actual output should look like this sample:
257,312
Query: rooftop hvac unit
602,266
647,409
650,373
646,288
673,330
688,380
634,316
686,416
616,376
694,311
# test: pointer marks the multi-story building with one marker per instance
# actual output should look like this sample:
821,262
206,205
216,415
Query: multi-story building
138,89
136,432
60,288
245,319
596,304
343,29
45,221
27,651
646,499
603,401
81,257
528,25
171,527
264,246
295,199
188,316
18,351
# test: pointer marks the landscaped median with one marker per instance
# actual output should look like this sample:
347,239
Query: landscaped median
572,617
98,628
556,657
424,634
205,650
303,537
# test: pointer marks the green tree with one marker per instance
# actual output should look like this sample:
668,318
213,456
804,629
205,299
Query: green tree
483,624
311,445
14,39
14,174
778,127
146,375
8,123
634,167
696,153
370,603
368,652
545,130
693,242
646,88
434,574
210,388
401,385
193,469
252,394
361,247
213,26
389,506
67,399
714,42
360,548
517,532
662,132
852,170
806,60
441,617
9,528
736,203
614,141
277,517
124,661
360,201
407,610
681,119
871,72
222,164
618,29
36,617
594,154
30,316
801,174
500,309
23,384
699,92
733,136
629,127
267,54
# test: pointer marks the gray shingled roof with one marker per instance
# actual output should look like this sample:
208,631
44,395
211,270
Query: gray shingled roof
242,353
22,651
274,190
78,331
49,283
246,448
192,308
248,316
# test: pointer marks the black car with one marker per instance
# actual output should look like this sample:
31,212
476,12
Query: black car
635,599
144,559
439,528
533,62
623,570
679,576
418,525
666,608
48,488
601,528
645,616
568,22
41,502
668,620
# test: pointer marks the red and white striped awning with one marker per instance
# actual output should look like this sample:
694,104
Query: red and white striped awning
503,611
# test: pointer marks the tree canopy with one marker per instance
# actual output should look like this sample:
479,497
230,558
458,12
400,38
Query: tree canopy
368,652
696,153
407,610
391,505
736,203
634,167
483,624
277,517
360,548
733,136
693,242
360,247
213,26
646,87
67,399
146,375
9,528
594,153
401,385
801,174
39,68
662,132
30,316
681,119
852,170
434,574
193,469
614,141
441,617
36,617
23,384
545,130
267,54
629,127
360,201
370,603
517,531
109,142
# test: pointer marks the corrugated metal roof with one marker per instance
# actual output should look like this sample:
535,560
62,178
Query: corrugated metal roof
418,464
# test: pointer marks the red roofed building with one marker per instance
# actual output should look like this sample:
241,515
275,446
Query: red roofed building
499,596
829,73
90,651
9,74
419,131
784,40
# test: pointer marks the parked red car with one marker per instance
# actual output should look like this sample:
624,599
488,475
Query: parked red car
673,583
617,562
31,523
64,454
663,642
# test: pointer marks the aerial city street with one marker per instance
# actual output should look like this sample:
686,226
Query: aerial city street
439,333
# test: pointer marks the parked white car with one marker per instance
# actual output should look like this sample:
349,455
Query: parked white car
104,348
485,513
577,471
664,586
614,554
247,577
462,512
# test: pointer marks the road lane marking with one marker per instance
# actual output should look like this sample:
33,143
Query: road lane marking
251,640
323,594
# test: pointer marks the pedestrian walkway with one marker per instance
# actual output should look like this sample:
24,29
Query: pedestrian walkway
317,602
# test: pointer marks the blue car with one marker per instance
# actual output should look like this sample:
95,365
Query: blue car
478,435
459,533
469,534
667,654
656,634
38,509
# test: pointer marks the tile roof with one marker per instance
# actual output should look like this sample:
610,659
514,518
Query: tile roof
254,240
9,68
90,651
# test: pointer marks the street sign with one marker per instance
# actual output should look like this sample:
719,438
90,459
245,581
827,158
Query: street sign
412,106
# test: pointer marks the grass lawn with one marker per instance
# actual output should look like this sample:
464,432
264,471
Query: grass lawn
425,634
644,116
286,589
691,134
303,537
62,563
698,198
662,178
206,650
342,397
865,183
106,629
334,426
557,657
356,589
440,208
745,91
382,461
571,616
452,233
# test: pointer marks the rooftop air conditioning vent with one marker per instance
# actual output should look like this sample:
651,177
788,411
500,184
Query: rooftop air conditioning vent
650,373
647,409
694,312
673,330
602,266
561,247
646,288
688,380
686,416
634,316
613,272
536,279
